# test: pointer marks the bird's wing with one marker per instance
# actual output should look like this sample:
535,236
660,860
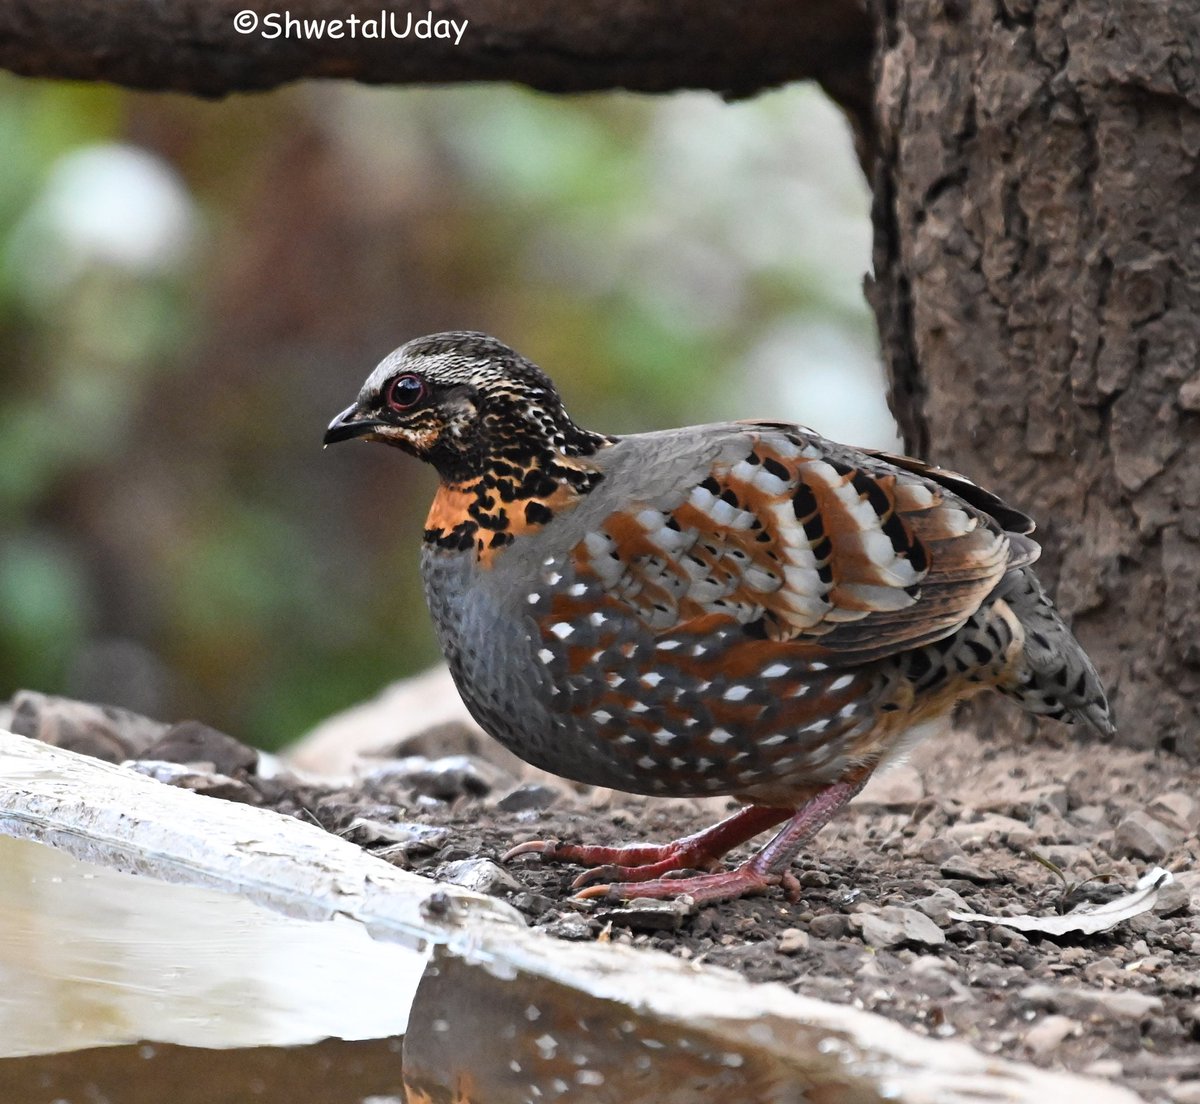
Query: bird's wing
855,555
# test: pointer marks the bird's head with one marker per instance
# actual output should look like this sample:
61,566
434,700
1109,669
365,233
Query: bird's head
464,402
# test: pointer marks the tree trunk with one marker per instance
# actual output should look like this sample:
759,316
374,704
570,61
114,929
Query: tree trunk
1037,205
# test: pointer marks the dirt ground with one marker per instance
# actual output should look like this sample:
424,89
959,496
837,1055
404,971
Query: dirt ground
954,829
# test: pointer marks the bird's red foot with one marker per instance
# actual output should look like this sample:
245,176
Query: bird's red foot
726,885
639,862
648,870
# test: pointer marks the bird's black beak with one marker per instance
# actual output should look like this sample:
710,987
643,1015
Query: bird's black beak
351,422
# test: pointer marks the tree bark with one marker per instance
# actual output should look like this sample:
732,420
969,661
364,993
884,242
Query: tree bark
1037,205
643,45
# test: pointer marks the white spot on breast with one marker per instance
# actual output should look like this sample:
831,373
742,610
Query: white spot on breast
667,645
625,738
698,649
638,707
774,741
562,630
614,679
553,578
596,617
841,682
575,590
646,763
663,737
736,693
776,670
533,598
545,655
652,678
601,716
720,736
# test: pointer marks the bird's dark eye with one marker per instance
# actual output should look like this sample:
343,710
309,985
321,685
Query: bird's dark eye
404,392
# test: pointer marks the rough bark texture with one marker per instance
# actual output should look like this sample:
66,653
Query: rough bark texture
1038,290
644,45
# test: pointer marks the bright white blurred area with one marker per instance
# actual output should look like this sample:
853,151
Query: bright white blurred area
110,205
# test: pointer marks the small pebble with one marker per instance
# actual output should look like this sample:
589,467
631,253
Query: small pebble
891,926
793,941
959,866
480,875
831,925
648,914
1049,1032
1140,836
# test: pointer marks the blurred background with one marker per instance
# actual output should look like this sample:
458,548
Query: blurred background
190,291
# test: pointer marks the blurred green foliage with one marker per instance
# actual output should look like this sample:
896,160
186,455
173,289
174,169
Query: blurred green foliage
189,291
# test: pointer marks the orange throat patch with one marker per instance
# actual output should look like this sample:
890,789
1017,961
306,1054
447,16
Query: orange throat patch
491,511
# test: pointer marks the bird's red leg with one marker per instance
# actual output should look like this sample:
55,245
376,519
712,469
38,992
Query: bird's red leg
761,871
638,862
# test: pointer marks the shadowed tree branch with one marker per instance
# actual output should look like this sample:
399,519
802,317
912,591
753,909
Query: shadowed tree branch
643,45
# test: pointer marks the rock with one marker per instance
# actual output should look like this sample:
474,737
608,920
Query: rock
1072,859
988,830
1091,818
530,796
898,787
649,914
568,925
939,904
102,731
891,926
194,742
959,866
793,941
1179,810
940,849
480,875
443,779
830,925
205,782
1087,1003
1140,836
1173,898
409,838
1015,797
1052,798
1021,837
1049,1032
